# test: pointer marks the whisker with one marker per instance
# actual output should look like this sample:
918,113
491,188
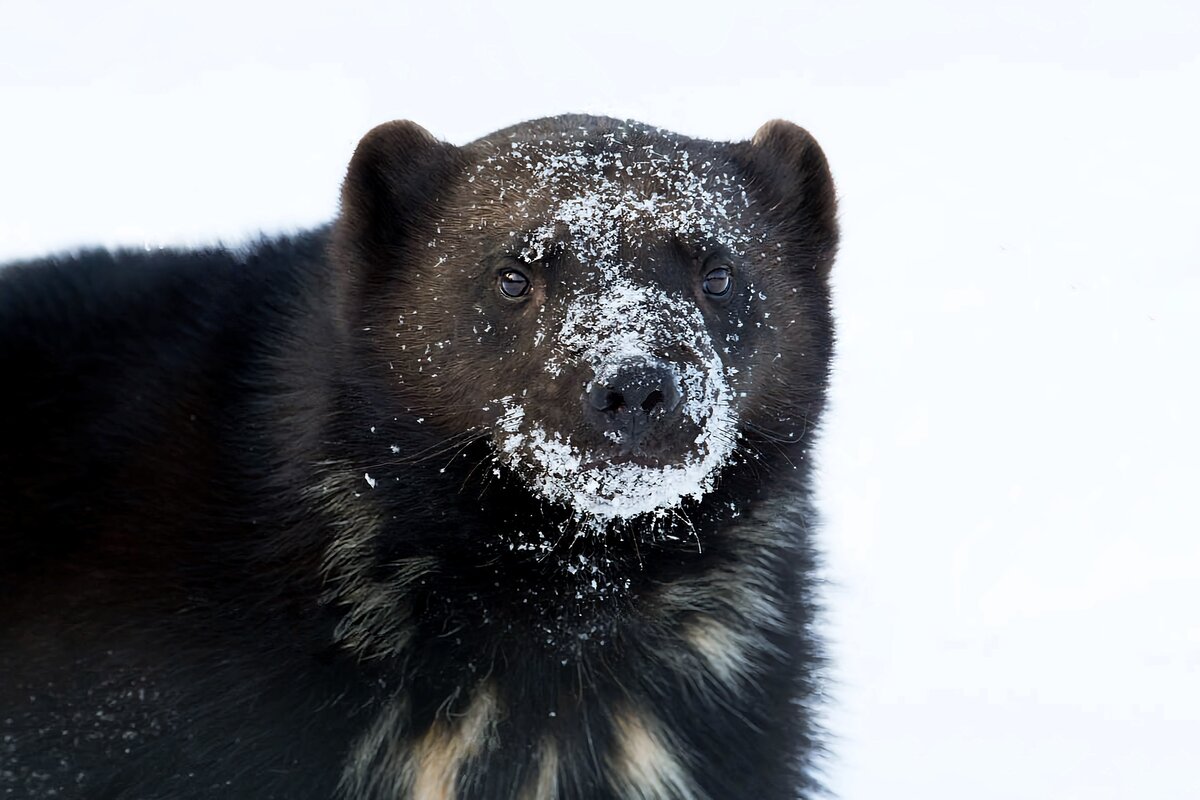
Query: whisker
465,445
489,457
687,521
562,534
442,447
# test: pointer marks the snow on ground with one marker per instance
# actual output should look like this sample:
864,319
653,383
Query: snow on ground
1009,468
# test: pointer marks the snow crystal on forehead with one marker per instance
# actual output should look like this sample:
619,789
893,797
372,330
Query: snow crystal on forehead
601,191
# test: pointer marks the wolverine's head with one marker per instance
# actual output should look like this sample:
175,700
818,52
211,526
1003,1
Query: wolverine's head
616,308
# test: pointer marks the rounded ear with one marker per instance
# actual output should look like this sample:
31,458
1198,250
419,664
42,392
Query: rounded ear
788,166
393,181
393,190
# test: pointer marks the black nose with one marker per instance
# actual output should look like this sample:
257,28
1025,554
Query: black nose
636,388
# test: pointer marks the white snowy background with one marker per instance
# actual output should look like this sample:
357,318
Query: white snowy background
1009,466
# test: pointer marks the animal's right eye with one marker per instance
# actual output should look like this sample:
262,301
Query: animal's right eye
718,282
513,283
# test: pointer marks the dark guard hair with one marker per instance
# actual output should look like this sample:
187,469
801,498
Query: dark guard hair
282,521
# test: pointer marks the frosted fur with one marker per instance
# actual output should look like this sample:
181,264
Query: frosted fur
601,204
586,481
597,199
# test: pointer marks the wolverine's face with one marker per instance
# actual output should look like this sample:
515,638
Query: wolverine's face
610,309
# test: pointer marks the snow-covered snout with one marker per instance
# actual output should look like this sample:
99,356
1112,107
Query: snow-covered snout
646,362
651,422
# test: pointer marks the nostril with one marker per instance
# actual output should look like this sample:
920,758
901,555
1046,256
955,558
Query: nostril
605,399
652,401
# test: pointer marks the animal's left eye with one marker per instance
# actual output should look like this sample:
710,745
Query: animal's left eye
513,283
718,282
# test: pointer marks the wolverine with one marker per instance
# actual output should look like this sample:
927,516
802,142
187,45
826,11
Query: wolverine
497,486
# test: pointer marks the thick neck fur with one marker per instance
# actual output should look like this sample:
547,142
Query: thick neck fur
516,652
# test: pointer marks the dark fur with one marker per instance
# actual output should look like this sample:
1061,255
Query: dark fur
183,434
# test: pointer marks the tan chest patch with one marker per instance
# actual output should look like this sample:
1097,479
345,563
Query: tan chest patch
726,651
646,764
544,783
438,757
